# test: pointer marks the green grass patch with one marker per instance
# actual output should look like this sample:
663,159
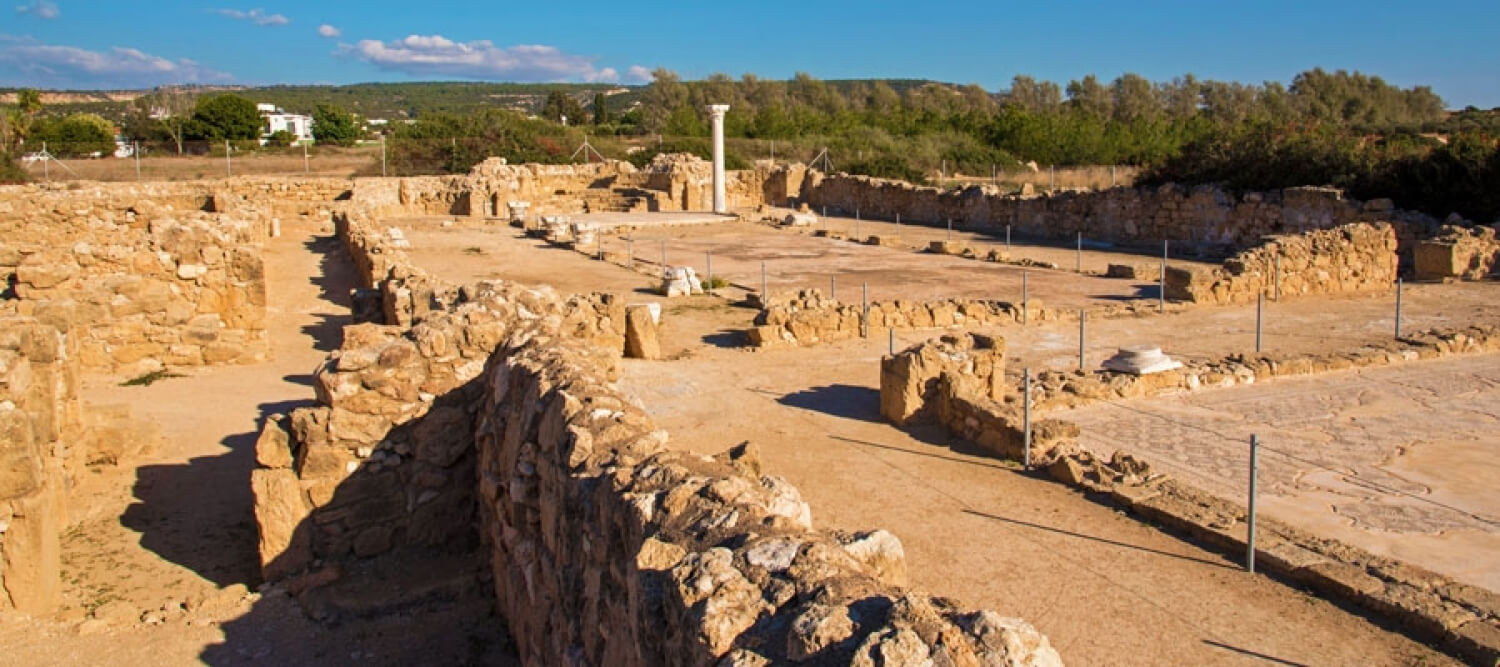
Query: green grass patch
148,379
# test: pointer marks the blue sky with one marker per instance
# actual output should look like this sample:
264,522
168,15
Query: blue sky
1450,46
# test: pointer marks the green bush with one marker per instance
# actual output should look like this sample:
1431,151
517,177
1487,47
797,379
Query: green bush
701,147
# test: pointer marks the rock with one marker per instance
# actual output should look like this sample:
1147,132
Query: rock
1010,642
815,629
281,513
641,333
680,281
273,447
881,552
800,219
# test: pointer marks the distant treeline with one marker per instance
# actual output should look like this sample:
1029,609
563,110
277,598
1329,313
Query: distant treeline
1325,128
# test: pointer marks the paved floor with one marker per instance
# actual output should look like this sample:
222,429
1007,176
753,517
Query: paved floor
1400,460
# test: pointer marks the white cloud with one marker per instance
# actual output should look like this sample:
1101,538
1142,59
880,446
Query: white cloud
42,9
329,31
28,62
436,55
256,16
638,74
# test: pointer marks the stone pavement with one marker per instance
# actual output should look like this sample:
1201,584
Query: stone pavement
1399,460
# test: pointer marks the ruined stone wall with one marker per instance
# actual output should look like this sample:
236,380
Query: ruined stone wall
1203,215
386,457
1460,619
39,415
1353,258
960,383
1458,253
607,548
807,318
140,283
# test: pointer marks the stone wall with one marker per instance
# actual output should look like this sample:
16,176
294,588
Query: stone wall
807,318
386,457
960,383
140,283
1460,619
1353,258
1458,253
1200,215
39,419
607,548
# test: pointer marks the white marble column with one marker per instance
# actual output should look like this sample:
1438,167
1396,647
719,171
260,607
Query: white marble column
717,112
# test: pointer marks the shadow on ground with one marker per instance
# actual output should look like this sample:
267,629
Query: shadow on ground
839,400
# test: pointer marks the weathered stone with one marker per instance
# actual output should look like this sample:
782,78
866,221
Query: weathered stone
641,333
281,514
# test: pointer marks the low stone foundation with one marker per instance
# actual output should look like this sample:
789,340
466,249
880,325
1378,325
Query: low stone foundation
1458,253
1354,258
1461,619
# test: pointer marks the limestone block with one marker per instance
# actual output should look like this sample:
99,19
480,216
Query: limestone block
281,514
680,281
31,551
273,447
641,333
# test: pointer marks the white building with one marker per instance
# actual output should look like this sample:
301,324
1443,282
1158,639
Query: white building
277,120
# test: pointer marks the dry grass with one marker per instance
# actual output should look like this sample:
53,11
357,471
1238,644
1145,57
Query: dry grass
1067,178
323,162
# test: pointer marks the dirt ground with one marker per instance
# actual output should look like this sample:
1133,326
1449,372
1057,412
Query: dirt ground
1105,588
163,551
792,261
974,528
340,163
1398,460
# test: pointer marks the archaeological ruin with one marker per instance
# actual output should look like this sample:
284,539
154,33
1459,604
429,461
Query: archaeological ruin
684,415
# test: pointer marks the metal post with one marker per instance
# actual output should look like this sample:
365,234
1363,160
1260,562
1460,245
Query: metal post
994,175
892,331
949,236
136,151
228,168
1111,176
856,223
1250,536
382,156
307,164
833,287
1026,422
898,225
1260,308
1024,308
1007,237
864,311
1082,315
1398,309
1161,291
1078,265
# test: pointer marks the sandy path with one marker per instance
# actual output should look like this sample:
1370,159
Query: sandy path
1105,588
179,528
